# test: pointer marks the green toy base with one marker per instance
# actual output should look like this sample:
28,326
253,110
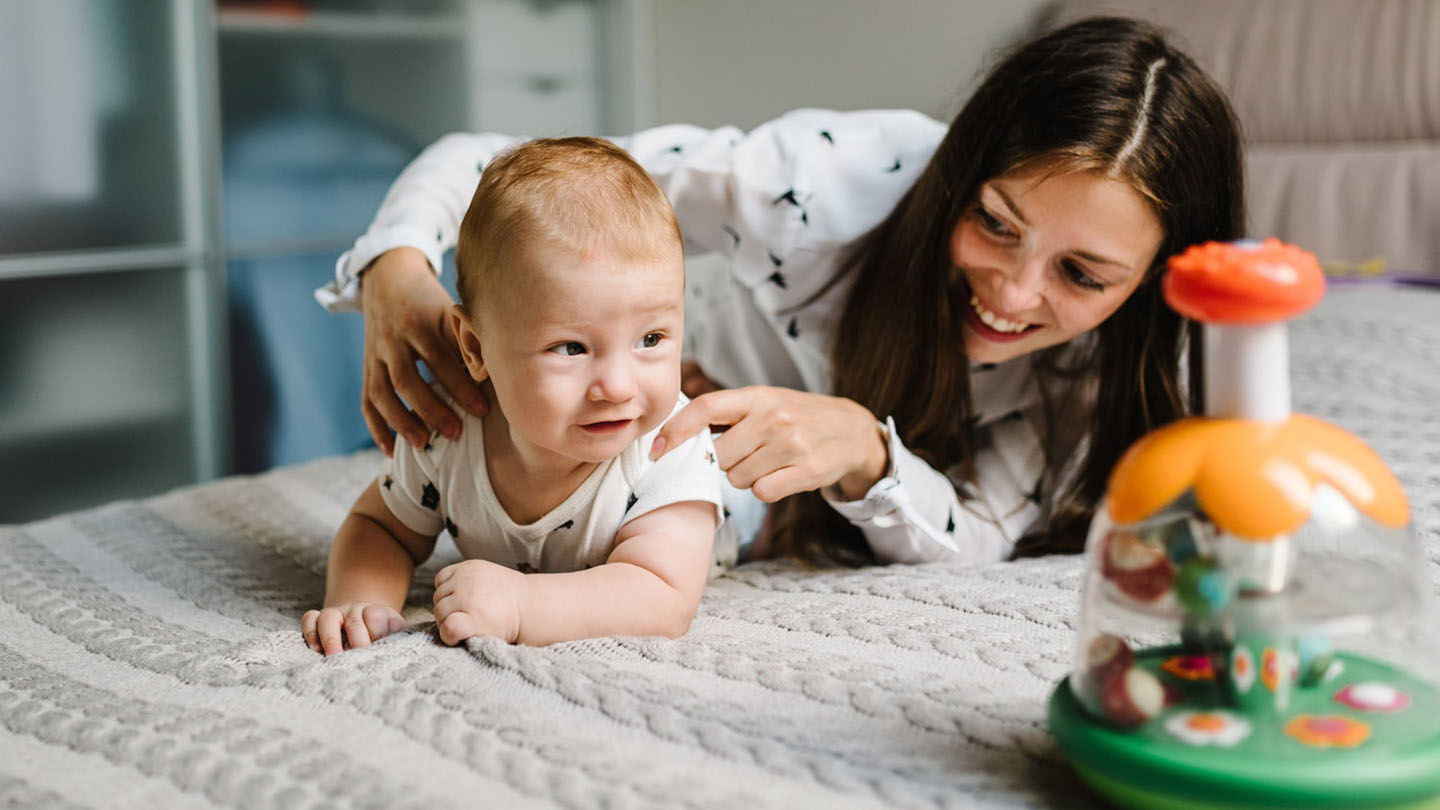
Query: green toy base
1147,768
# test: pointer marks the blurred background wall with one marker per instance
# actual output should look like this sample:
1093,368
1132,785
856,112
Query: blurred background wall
176,176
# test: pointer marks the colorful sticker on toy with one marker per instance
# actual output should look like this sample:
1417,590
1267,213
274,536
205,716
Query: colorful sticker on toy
1328,731
1275,666
1242,669
1373,696
1208,728
1190,667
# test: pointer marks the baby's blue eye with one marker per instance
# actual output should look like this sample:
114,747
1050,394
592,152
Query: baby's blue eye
569,349
651,340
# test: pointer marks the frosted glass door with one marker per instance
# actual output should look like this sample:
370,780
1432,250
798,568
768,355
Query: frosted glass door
88,142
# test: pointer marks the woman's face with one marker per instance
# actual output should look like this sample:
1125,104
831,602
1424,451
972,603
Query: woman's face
1046,257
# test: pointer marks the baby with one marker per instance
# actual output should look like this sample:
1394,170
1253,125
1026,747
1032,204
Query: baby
571,282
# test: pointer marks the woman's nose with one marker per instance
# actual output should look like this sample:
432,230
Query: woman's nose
1023,287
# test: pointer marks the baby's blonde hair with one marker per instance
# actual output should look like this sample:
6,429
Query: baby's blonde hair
569,193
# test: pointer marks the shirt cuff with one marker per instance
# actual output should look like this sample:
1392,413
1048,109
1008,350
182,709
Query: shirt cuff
343,293
883,503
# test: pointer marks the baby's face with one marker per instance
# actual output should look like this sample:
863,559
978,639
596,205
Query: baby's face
584,350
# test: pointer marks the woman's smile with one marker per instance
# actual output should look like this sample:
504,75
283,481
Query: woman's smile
993,326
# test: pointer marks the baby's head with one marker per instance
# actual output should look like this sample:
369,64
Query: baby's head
570,272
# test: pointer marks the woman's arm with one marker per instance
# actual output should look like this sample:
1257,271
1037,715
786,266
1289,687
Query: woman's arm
913,513
779,442
421,210
649,586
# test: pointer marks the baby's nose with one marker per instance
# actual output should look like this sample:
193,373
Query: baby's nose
615,383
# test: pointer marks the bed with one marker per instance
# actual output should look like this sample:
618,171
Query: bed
149,652
150,656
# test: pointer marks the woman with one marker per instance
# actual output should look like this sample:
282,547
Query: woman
938,342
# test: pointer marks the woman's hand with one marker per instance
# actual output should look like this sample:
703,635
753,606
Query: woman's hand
348,626
780,441
405,307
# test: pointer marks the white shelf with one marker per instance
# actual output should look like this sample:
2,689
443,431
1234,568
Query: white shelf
76,417
340,25
35,265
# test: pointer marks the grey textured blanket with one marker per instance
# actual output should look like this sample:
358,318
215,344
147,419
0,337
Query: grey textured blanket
150,657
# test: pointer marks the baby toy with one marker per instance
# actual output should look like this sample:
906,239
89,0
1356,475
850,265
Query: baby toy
1250,629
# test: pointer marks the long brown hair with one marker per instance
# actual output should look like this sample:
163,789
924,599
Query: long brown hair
1107,94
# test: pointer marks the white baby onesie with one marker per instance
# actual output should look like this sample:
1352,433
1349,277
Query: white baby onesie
446,485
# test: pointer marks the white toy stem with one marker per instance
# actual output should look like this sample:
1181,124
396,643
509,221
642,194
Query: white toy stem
1247,371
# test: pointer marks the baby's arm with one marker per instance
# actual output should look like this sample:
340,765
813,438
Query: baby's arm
650,585
371,564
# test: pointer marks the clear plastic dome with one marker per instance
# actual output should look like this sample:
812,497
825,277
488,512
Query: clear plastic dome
1255,628
1307,660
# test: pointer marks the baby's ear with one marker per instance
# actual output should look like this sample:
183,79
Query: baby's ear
469,342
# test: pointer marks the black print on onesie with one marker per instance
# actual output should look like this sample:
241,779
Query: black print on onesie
793,328
451,528
950,524
630,502
430,496
825,133
569,524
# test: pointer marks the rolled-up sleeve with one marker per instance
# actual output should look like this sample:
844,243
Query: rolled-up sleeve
422,210
915,513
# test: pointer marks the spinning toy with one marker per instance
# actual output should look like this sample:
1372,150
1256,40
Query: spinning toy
1253,618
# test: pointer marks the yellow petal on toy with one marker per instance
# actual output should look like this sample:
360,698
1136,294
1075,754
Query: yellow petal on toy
1158,469
1255,480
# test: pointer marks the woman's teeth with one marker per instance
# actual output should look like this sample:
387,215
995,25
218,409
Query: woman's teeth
994,321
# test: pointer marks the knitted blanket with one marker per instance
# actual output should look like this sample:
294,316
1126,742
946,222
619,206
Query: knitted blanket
150,653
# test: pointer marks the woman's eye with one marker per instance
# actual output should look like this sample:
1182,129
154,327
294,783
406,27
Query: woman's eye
569,349
651,340
990,222
1080,278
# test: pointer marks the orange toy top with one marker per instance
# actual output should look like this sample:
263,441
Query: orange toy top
1243,282
1254,479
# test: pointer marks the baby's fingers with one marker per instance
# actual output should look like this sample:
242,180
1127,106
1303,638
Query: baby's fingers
456,627
381,621
355,631
308,631
328,627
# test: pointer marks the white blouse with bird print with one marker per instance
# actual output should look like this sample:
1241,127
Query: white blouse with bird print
781,204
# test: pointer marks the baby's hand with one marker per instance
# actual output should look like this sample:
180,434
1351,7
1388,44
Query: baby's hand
347,626
478,598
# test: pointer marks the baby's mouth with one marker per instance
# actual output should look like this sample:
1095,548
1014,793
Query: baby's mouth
610,426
